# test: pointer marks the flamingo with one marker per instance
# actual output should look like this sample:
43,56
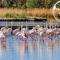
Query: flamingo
15,32
7,31
24,32
50,35
57,34
42,34
34,37
21,39
2,42
56,31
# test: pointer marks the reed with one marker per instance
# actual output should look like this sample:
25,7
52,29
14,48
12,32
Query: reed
34,12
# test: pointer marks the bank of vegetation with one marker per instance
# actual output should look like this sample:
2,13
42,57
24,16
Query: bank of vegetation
30,8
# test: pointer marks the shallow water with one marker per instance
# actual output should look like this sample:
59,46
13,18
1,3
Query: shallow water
16,51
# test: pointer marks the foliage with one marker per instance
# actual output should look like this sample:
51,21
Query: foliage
11,15
27,3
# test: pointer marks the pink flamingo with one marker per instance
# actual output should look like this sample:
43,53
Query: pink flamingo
50,35
33,33
7,31
2,41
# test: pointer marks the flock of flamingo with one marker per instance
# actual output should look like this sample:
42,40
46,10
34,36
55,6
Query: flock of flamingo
39,34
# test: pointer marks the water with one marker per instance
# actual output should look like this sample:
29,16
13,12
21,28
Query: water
16,51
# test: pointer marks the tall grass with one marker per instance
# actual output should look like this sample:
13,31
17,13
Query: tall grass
45,13
20,13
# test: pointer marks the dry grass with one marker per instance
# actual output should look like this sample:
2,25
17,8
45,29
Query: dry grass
45,13
39,12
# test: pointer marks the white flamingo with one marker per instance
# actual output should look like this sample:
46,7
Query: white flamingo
35,38
56,31
21,41
57,34
2,42
7,31
15,32
42,33
50,35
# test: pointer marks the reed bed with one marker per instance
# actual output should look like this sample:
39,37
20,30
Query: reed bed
34,12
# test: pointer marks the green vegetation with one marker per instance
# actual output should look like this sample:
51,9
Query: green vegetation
58,5
22,13
27,3
23,8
